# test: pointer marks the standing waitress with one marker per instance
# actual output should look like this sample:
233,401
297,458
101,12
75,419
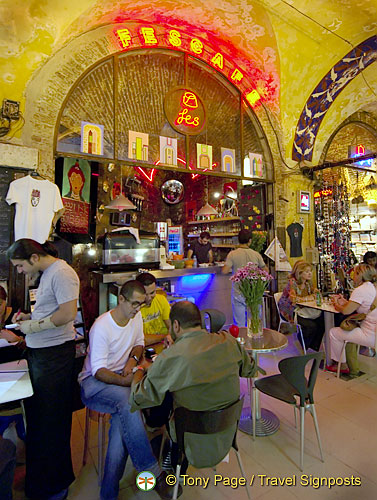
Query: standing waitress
50,354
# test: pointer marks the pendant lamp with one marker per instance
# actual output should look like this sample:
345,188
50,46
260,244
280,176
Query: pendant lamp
121,202
207,209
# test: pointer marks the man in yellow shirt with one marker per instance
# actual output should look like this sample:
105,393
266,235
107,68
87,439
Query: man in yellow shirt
155,312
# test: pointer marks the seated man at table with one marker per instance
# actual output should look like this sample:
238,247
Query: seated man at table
155,311
201,372
116,345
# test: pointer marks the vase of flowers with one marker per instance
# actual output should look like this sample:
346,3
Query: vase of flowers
252,283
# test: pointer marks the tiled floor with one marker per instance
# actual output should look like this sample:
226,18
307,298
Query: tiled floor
347,419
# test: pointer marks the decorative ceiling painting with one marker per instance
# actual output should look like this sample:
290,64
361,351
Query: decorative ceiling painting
301,57
324,94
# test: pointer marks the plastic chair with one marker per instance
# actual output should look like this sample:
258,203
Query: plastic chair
206,422
345,342
216,319
101,418
277,297
292,382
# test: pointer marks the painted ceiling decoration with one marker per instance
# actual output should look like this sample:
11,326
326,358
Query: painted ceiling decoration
322,97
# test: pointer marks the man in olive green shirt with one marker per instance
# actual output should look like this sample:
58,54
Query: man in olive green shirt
201,370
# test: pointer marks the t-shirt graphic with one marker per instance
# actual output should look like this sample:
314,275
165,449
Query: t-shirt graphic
36,203
295,235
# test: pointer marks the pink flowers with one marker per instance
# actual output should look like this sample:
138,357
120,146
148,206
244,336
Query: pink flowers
252,282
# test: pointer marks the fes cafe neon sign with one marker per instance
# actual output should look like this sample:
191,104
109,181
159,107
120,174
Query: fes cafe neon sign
158,36
189,100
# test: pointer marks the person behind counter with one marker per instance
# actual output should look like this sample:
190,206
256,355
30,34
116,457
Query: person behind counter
51,354
155,311
311,320
236,259
363,301
201,249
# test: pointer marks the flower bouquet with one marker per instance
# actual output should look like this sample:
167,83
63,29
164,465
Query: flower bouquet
252,282
258,240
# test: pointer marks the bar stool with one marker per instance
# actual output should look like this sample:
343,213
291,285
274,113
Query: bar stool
101,418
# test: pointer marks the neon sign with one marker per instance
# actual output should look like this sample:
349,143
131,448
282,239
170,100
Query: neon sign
322,193
359,150
141,35
185,111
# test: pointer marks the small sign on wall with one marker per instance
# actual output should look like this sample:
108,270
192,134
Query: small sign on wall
304,205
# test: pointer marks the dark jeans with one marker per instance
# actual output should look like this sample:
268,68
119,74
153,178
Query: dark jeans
312,331
157,416
7,466
49,420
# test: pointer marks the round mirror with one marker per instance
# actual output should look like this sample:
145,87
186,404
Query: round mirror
172,191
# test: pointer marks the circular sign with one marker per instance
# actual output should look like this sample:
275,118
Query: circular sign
185,111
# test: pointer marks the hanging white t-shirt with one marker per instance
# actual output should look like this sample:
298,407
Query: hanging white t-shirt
36,203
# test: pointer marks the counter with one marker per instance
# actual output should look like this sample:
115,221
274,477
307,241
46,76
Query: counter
205,285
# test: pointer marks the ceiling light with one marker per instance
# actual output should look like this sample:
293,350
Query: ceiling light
120,203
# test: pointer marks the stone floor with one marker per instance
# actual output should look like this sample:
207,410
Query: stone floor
347,418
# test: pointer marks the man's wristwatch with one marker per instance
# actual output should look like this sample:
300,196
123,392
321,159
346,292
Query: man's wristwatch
135,358
137,368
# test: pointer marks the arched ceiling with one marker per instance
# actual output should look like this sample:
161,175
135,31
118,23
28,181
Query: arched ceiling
294,44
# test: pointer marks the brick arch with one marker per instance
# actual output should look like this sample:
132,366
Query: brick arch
361,118
50,86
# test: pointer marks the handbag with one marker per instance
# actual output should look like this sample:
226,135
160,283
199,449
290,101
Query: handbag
352,321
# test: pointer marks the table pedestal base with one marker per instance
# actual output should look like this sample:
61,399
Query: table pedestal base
265,426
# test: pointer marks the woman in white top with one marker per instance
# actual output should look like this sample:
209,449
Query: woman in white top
361,300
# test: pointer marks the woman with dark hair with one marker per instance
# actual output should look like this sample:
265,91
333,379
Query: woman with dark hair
370,258
50,353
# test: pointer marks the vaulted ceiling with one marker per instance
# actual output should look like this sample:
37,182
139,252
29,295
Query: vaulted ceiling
293,44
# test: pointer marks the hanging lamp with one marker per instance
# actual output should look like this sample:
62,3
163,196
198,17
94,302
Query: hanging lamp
207,209
121,202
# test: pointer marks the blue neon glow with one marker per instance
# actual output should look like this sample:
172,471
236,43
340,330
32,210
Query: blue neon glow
194,283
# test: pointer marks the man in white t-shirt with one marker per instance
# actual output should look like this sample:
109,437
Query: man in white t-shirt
116,344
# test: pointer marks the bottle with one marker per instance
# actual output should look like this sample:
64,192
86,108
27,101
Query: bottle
318,298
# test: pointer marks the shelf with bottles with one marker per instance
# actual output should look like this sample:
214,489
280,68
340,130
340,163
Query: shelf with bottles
223,245
214,235
210,221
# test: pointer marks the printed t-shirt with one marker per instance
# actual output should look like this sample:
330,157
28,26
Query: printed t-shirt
154,316
294,231
36,201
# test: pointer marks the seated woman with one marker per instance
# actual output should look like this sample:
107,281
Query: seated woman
311,320
11,352
361,301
